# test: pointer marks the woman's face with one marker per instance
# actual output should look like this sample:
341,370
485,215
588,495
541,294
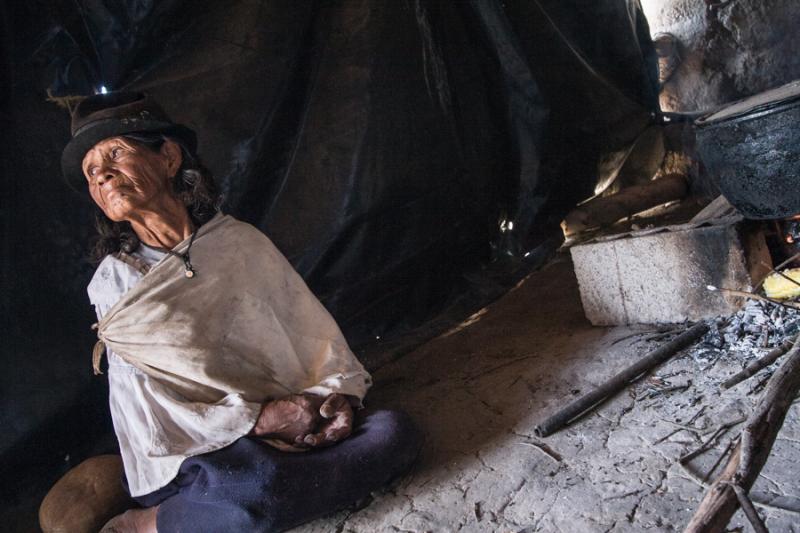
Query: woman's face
126,177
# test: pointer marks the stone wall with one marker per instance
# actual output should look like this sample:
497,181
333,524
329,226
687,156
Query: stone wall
729,49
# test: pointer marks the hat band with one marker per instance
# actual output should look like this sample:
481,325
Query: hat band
132,120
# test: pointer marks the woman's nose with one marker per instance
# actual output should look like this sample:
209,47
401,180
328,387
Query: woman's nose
104,174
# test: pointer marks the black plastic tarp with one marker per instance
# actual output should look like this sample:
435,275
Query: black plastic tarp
412,158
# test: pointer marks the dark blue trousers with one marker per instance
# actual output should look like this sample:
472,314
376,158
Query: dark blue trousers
251,487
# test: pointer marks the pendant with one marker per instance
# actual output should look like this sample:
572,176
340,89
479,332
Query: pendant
187,265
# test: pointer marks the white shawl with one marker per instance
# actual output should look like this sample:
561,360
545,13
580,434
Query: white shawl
243,330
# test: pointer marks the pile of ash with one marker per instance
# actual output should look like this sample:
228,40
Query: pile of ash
748,334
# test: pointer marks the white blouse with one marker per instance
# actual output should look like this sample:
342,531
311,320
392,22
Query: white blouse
152,421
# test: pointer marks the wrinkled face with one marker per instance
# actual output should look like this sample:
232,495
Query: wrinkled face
126,177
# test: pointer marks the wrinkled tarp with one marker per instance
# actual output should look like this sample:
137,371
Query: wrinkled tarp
381,146
412,158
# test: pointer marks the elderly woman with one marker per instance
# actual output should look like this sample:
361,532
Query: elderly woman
221,363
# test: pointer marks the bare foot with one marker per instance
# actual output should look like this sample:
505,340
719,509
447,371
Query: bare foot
133,521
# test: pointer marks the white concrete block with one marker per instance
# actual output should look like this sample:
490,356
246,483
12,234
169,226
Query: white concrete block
661,275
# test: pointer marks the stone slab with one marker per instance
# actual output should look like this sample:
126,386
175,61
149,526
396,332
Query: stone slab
658,276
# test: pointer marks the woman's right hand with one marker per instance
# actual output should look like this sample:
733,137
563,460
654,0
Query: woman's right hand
289,419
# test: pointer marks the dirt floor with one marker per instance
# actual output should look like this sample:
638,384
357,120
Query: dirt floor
479,390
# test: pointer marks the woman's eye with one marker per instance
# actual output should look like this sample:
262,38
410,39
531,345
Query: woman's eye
115,152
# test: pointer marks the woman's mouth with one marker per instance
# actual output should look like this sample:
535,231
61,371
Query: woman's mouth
115,194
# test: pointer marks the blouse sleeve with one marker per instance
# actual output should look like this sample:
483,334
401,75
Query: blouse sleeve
341,373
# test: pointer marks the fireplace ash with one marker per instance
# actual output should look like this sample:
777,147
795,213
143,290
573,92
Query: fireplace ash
747,335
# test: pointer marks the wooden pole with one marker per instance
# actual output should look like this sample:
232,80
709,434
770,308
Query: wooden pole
605,210
620,381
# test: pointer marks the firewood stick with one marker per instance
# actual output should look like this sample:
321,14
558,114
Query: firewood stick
753,296
605,210
753,368
781,274
752,452
731,443
693,476
709,442
620,381
778,267
749,509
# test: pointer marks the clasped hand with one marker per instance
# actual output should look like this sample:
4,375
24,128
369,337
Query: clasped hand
305,420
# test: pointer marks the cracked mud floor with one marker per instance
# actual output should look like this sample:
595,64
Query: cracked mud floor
479,390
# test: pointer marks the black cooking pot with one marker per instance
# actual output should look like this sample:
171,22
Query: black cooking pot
751,148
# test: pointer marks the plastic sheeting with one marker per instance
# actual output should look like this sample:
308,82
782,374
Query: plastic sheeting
384,146
411,158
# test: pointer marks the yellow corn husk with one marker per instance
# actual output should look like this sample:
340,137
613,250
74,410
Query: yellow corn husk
780,288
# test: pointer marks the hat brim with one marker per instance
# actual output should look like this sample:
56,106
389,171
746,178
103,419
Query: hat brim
75,151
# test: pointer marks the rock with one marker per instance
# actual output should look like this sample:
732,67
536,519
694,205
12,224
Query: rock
730,49
86,497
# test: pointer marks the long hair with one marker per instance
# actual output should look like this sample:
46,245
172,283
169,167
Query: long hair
192,184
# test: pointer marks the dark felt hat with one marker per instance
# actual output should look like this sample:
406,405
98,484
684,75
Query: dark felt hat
102,116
